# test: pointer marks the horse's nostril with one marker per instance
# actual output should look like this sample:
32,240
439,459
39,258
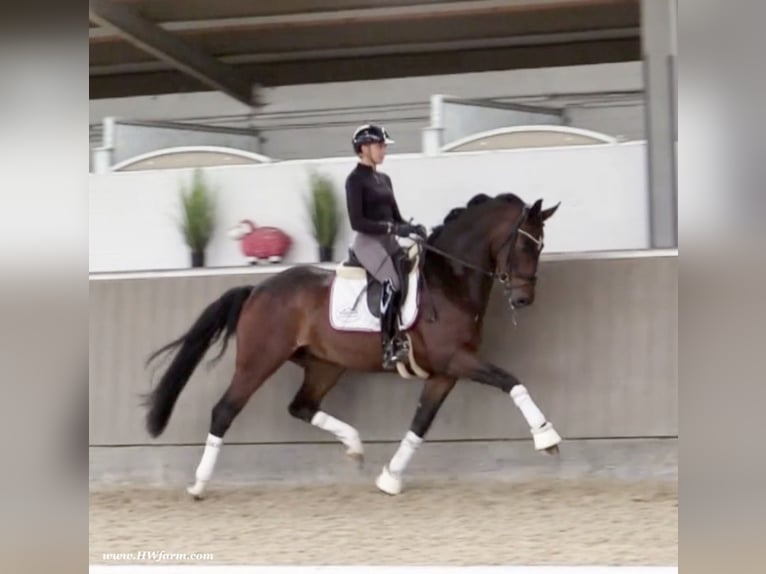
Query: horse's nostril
522,301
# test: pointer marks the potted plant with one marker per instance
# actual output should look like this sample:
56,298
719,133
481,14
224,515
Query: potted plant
323,211
197,217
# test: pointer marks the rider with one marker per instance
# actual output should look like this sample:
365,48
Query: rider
374,216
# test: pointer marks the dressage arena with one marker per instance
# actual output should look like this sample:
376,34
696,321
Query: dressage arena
455,522
600,360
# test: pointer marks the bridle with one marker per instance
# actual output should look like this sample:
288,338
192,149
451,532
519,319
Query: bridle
505,275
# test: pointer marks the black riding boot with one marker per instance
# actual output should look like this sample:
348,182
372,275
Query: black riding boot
395,348
401,264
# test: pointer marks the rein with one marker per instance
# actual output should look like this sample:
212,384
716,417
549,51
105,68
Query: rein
446,255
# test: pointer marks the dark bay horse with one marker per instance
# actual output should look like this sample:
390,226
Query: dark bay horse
492,239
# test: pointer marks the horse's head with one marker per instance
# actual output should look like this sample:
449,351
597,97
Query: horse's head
501,237
516,247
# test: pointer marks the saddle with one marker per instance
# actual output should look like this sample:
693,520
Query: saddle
355,299
352,268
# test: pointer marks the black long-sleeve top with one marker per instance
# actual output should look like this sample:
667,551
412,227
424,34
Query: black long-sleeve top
370,201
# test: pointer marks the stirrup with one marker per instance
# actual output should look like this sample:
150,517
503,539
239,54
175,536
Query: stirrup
396,351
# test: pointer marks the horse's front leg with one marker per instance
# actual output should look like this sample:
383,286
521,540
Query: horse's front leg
435,390
466,365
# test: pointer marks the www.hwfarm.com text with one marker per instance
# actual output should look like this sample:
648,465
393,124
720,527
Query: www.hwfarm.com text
157,556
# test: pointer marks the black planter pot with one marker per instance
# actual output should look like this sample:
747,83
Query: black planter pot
325,253
198,258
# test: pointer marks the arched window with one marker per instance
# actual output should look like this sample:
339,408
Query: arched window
519,137
190,156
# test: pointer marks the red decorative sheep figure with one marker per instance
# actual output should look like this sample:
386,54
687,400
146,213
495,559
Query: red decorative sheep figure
261,243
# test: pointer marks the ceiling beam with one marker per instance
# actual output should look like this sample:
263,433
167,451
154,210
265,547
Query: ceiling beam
386,66
394,49
165,46
384,13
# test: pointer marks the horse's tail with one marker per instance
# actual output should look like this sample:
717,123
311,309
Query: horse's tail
219,318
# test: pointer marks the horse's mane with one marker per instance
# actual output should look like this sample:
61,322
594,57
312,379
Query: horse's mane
476,200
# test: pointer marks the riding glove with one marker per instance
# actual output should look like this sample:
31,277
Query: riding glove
407,229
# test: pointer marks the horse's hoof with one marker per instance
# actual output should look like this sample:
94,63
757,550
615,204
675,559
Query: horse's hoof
553,450
545,437
197,491
388,483
357,457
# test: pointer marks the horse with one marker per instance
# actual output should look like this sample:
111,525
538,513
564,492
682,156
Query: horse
491,240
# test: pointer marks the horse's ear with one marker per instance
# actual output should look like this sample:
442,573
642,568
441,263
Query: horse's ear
534,211
547,213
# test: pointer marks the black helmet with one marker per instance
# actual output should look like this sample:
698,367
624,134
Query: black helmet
370,133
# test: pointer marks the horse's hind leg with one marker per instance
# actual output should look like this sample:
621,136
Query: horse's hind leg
319,379
248,377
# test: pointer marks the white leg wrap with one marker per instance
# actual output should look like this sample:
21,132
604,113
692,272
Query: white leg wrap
344,432
407,448
389,480
543,433
527,406
206,465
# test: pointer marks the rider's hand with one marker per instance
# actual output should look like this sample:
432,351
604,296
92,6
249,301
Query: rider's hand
408,229
420,230
404,229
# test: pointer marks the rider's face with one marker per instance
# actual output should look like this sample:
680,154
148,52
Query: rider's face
375,152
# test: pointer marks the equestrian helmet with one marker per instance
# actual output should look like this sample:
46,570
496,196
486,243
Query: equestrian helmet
370,133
